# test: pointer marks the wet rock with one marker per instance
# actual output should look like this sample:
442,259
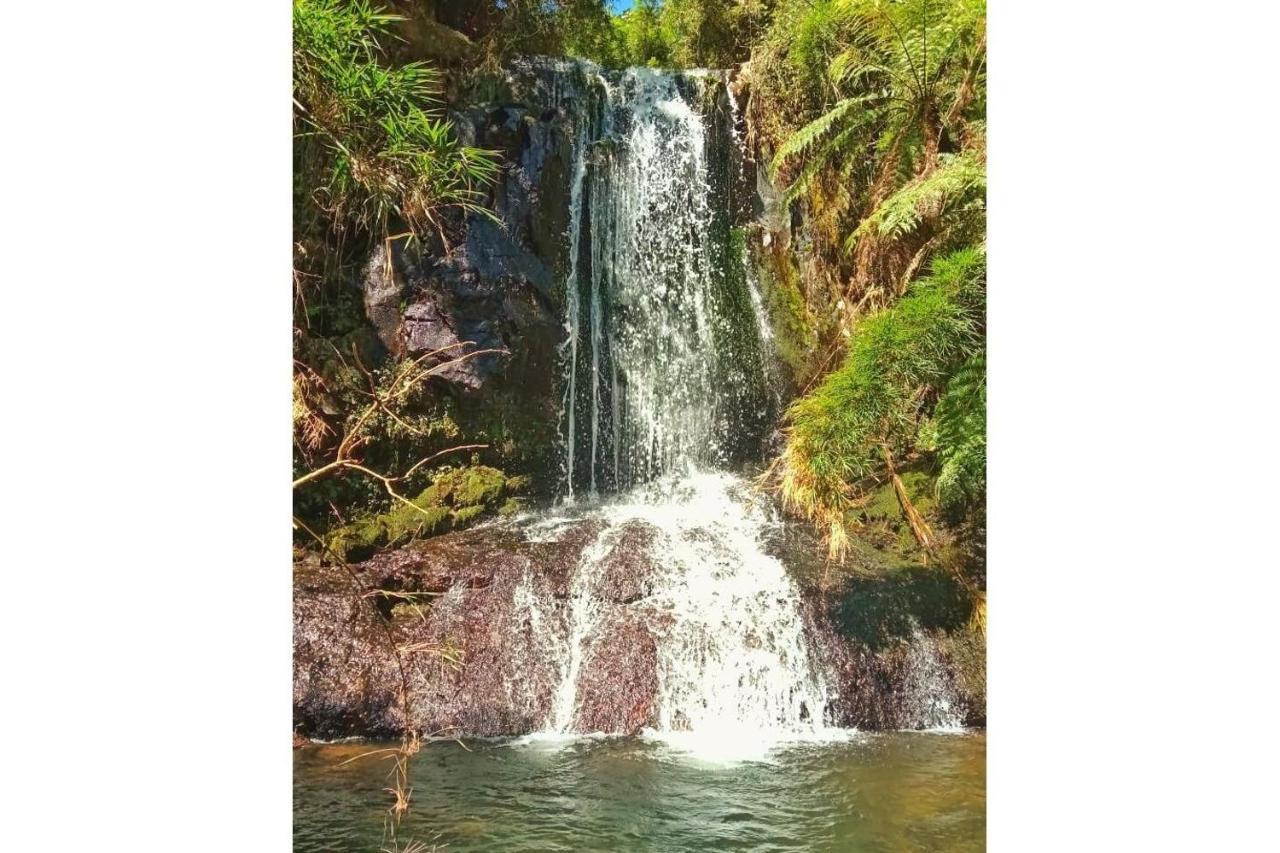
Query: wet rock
480,619
618,688
381,284
344,676
488,294
901,675
627,571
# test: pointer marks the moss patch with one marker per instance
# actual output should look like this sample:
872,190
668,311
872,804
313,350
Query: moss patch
454,499
794,327
882,519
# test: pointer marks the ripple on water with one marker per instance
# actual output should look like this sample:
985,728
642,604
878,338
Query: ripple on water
893,791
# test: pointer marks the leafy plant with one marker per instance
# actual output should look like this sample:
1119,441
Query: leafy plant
953,191
901,132
372,146
961,419
870,409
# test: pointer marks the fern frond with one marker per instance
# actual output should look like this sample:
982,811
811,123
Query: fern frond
959,178
807,136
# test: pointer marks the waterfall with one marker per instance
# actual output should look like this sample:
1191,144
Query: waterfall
735,671
667,383
663,365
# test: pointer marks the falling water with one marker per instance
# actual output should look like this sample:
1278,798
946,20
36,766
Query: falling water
663,365
930,698
669,385
666,384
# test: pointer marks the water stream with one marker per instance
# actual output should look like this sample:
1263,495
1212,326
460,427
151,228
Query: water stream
663,364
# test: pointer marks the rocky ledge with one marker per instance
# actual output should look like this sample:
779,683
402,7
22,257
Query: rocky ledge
481,618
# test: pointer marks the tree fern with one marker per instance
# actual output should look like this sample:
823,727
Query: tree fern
807,136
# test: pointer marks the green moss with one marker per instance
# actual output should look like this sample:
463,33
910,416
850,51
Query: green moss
468,513
795,333
357,539
511,506
478,484
454,499
883,512
883,504
920,490
411,522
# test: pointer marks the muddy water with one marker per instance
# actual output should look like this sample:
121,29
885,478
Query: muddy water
872,792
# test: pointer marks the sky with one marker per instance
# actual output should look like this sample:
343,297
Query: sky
620,5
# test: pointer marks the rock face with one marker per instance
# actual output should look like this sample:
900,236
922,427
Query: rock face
620,678
493,600
486,295
496,288
483,621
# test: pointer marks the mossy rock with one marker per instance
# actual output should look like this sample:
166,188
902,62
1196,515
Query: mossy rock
883,512
405,523
794,326
883,505
358,539
511,506
468,513
476,484
454,499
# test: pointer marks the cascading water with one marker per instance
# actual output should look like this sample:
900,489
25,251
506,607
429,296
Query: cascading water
667,382
663,364
673,615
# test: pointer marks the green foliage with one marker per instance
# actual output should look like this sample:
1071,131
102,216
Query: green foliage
874,111
903,96
962,437
712,33
645,41
874,403
509,28
953,196
370,145
874,397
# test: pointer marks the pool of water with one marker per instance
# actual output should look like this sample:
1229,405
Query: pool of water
874,792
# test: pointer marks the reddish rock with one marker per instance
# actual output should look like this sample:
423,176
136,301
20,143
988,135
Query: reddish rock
618,685
479,617
627,570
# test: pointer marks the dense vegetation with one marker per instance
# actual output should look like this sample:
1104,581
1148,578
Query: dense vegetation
374,162
868,114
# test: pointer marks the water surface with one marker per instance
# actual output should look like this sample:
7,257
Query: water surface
873,792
